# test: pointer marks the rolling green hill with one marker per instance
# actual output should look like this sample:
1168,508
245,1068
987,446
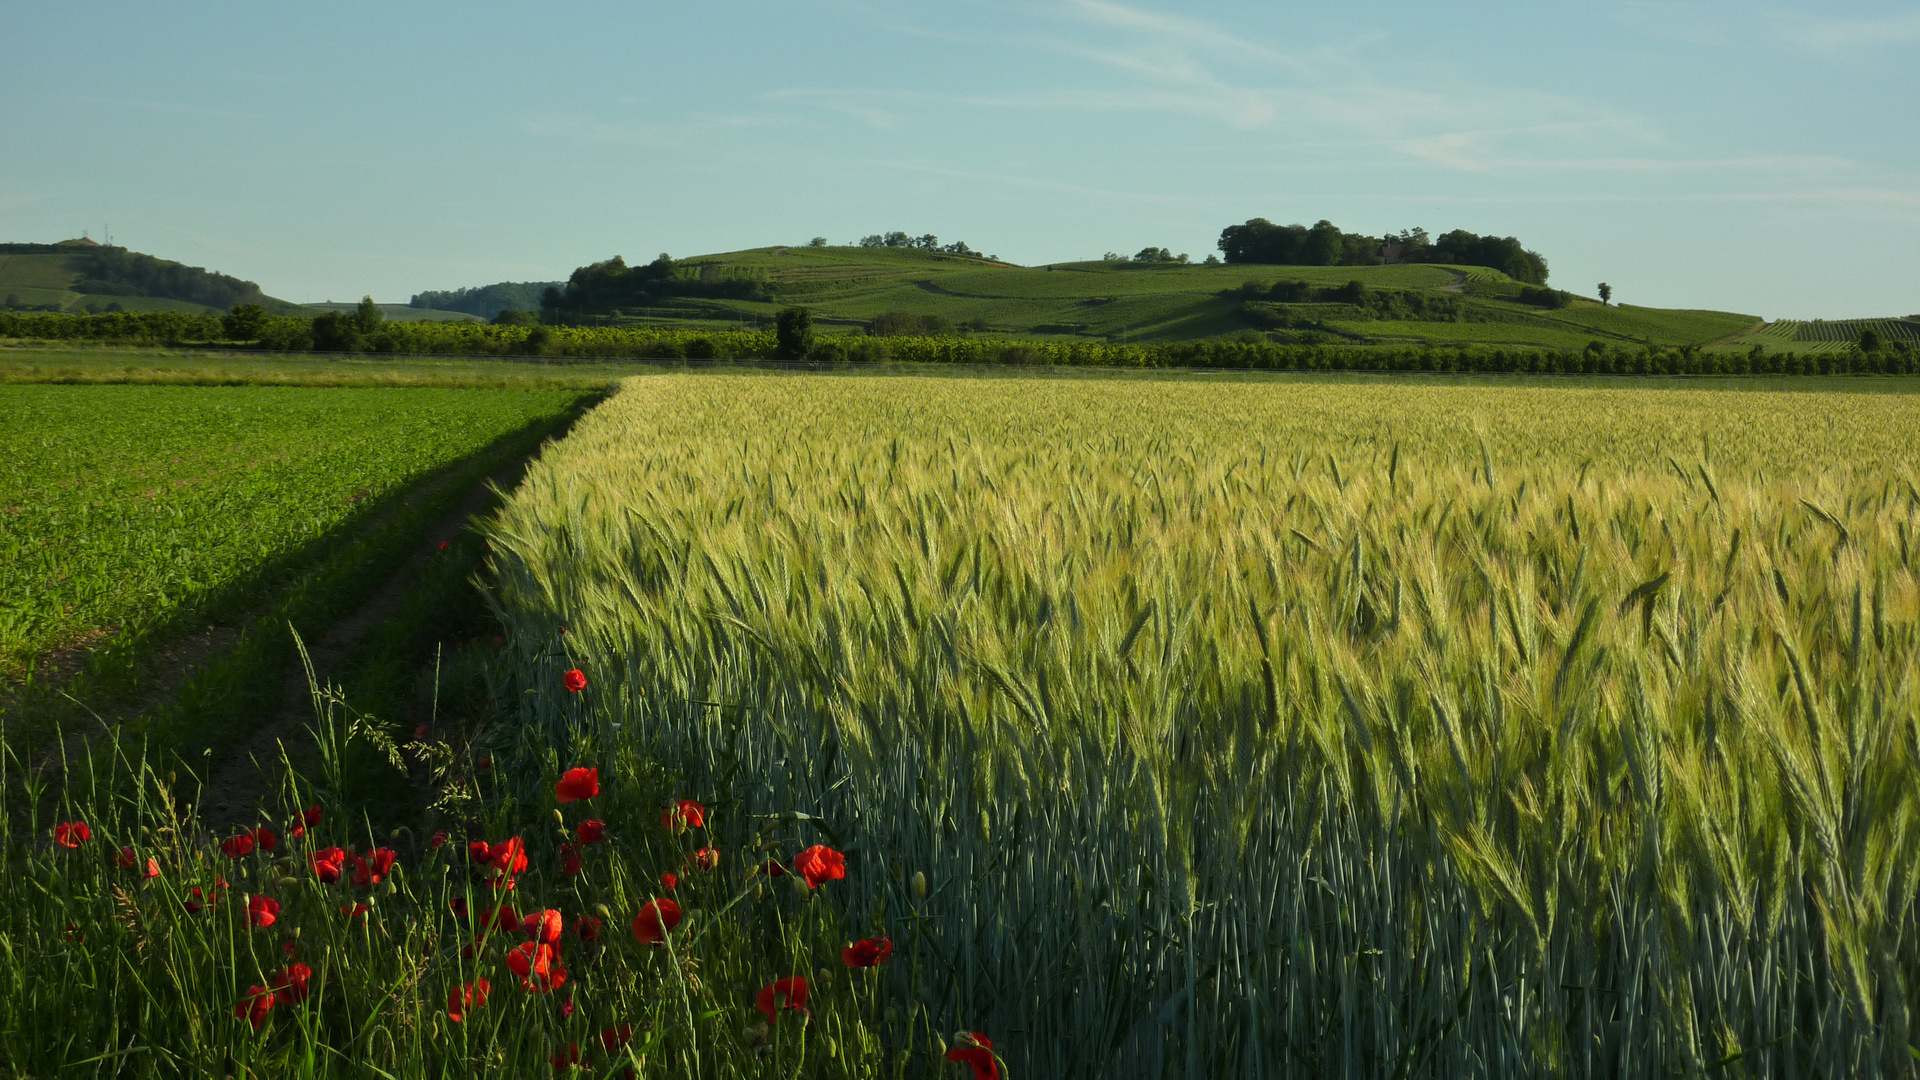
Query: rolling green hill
81,276
847,288
1826,335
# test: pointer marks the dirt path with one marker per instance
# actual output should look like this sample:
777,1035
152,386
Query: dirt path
244,779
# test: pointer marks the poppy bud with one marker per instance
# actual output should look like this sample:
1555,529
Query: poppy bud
799,886
919,885
604,910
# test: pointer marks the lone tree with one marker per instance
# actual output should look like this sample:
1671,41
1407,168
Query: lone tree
793,334
1869,340
244,322
1606,292
368,316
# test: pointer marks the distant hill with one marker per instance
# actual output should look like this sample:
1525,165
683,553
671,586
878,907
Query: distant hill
82,275
907,290
397,312
486,301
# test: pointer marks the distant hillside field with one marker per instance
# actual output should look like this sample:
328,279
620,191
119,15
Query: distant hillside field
398,312
1827,335
81,276
849,288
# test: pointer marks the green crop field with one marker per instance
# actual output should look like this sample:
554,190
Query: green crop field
125,506
1258,727
1160,726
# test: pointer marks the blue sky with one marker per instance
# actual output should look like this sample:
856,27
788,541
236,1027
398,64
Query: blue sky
1749,157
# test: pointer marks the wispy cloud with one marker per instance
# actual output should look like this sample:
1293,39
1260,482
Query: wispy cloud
1842,33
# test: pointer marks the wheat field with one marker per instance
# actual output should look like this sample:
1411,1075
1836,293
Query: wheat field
1281,728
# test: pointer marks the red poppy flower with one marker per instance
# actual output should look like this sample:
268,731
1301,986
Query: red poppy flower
655,920
570,860
435,841
311,816
575,681
483,764
538,967
255,1006
72,933
591,832
568,1058
373,869
588,928
616,1037
290,983
236,846
867,952
979,1055
577,784
153,868
782,994
820,863
445,544
266,838
467,996
71,834
498,640
291,948
193,901
668,881
543,926
774,869
262,911
420,732
566,1009
458,905
684,814
329,864
126,858
500,918
706,858
479,851
509,856
354,911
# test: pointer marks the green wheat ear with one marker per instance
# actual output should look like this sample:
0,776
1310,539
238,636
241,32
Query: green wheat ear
1224,748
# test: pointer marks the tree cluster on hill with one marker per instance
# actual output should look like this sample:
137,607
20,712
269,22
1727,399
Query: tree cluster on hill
115,271
1324,244
1149,256
929,242
487,301
604,288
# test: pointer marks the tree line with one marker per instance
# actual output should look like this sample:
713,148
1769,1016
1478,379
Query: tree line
115,271
1325,244
793,340
928,242
487,301
609,287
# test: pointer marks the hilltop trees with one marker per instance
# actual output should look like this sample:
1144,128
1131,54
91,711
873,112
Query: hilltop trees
1606,292
486,301
115,271
1324,244
604,288
929,242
